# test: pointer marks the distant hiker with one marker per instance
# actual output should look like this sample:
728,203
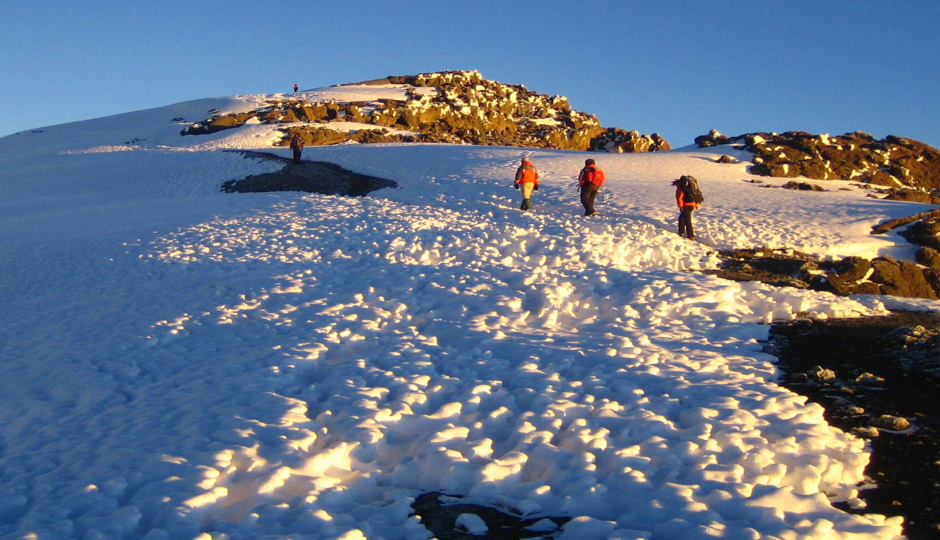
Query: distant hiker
527,178
589,182
296,87
688,198
297,145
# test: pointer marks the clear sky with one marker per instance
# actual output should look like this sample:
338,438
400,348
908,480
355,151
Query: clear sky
678,68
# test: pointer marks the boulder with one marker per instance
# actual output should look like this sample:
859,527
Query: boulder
891,423
928,257
901,278
802,186
914,195
821,374
853,268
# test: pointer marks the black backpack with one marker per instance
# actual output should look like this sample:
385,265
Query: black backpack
689,185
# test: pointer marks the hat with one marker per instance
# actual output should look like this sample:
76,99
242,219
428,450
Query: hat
589,161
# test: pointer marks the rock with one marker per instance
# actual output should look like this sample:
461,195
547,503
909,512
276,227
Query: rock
464,109
928,257
853,268
914,195
726,159
798,378
866,432
925,232
892,423
714,138
869,379
901,278
619,140
892,162
802,186
820,373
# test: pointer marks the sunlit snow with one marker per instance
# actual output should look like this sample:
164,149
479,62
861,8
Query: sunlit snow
179,363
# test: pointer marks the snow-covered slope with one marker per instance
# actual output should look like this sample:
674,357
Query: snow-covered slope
180,363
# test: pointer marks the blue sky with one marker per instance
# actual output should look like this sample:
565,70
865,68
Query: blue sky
679,68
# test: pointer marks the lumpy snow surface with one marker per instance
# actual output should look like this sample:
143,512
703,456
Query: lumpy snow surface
178,363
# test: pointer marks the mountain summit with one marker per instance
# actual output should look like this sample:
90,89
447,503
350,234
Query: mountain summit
457,107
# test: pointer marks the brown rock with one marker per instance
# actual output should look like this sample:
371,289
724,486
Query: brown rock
901,278
892,423
820,373
928,257
866,432
802,186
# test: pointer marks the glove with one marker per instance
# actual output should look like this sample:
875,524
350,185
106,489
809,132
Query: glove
516,186
536,187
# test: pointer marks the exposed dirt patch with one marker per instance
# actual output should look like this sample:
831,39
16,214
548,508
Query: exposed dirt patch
877,371
439,514
308,176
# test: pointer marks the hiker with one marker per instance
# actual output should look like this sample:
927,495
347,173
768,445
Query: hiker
297,145
296,87
688,198
527,179
589,182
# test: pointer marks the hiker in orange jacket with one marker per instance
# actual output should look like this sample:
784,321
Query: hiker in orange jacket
527,179
686,207
589,182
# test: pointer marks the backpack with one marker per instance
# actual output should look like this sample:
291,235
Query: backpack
691,189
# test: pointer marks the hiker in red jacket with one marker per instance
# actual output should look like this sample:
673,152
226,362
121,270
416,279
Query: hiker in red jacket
684,190
589,181
527,179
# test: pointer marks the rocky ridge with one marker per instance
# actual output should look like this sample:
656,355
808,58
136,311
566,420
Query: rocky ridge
893,161
464,108
852,275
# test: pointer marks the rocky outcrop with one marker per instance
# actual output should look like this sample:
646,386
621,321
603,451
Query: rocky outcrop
892,161
464,108
914,195
852,275
925,232
618,140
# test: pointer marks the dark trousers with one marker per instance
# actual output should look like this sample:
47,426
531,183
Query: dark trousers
685,222
588,194
297,156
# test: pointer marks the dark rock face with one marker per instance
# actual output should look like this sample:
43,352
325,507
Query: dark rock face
892,161
309,176
852,275
465,108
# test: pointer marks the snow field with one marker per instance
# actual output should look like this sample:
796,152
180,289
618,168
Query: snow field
181,364
471,357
